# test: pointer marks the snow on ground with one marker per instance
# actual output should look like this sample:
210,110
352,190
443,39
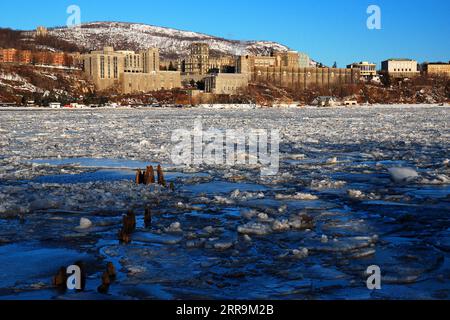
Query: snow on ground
356,187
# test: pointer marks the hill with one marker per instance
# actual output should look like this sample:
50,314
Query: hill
172,43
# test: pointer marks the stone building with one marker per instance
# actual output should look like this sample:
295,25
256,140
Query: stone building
245,64
225,83
51,58
295,77
142,62
289,59
198,61
437,69
303,78
41,31
35,57
128,72
9,55
304,61
225,64
368,70
400,68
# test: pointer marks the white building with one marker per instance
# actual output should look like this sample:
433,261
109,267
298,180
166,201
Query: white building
400,68
367,69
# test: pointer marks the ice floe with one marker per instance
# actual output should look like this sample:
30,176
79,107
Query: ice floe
403,174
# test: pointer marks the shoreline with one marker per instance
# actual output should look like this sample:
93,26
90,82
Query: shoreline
227,106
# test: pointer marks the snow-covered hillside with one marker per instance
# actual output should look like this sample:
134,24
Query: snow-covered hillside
172,43
40,81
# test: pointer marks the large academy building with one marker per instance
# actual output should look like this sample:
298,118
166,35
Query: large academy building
288,74
128,72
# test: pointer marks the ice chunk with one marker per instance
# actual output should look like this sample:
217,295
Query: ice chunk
435,179
281,225
355,194
333,160
85,223
174,228
403,174
300,253
223,200
254,228
134,270
297,196
223,245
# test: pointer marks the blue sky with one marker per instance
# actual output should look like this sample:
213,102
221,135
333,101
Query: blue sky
328,30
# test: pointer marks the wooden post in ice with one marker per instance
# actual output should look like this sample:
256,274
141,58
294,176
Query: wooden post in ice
111,270
60,279
148,217
138,176
149,177
106,282
129,222
129,226
161,180
107,277
124,237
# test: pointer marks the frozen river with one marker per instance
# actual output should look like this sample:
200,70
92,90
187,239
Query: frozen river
338,205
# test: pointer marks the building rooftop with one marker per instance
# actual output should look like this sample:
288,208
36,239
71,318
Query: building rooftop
400,59
437,63
365,63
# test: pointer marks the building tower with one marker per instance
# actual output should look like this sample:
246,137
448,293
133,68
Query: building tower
198,62
150,59
41,32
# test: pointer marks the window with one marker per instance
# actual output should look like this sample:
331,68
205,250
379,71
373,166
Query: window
109,67
102,67
116,68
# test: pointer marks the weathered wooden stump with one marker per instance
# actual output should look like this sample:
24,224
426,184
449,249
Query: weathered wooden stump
124,237
148,217
161,180
138,176
129,222
111,270
128,227
149,177
106,282
60,279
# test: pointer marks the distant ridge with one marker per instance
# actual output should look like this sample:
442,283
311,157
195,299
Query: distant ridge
172,43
